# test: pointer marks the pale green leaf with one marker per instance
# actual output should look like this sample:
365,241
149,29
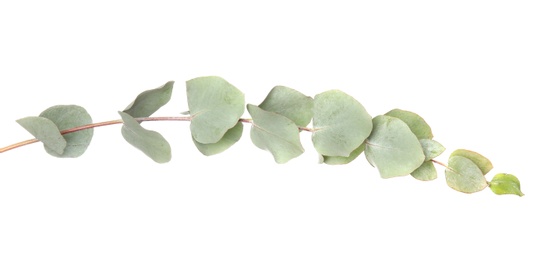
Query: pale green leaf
67,117
230,137
150,101
336,160
504,183
426,172
215,106
393,148
415,122
341,123
149,142
481,161
275,133
431,148
463,175
289,103
45,131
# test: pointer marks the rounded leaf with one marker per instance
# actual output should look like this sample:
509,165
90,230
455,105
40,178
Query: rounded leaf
336,160
45,131
464,175
150,101
416,123
275,133
67,117
289,103
426,172
393,148
431,148
504,183
481,161
341,123
230,138
215,107
149,142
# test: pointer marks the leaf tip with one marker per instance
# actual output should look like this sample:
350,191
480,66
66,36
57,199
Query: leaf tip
504,183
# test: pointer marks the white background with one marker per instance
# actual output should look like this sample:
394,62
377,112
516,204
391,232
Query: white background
480,73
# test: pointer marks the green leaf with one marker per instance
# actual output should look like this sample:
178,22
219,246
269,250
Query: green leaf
481,161
416,123
393,148
45,131
67,117
464,175
426,172
215,106
504,183
431,148
150,101
289,103
275,133
149,142
341,123
336,160
230,137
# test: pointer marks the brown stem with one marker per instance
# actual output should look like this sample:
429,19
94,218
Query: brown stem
114,122
89,126
17,145
444,165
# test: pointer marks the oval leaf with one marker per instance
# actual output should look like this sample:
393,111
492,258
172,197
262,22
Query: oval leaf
149,142
415,122
215,106
150,101
45,131
67,117
341,124
426,172
393,148
289,103
230,138
275,133
431,148
504,183
464,175
481,161
336,160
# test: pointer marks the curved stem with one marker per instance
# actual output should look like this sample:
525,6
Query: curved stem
17,145
84,127
115,122
89,126
444,165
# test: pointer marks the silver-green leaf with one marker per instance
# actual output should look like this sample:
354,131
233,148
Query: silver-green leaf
45,131
337,160
230,138
67,117
275,133
416,123
289,103
463,175
150,101
215,106
426,172
481,161
340,123
431,148
149,142
393,148
504,183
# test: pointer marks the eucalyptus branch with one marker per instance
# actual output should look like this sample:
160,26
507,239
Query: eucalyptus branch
398,143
